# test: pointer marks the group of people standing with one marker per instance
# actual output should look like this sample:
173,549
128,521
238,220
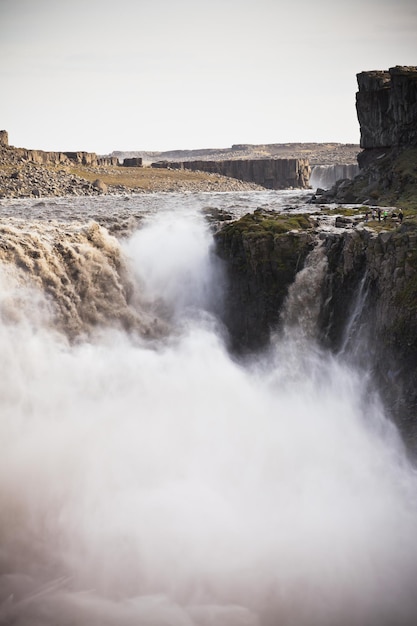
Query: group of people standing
382,215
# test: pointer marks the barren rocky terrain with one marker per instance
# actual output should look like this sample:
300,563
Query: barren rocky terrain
19,177
316,153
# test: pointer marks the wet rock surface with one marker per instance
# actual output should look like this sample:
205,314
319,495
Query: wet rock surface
371,278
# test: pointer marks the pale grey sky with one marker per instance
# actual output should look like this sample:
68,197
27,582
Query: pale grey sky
102,75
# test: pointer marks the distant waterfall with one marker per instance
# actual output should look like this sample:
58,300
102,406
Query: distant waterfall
325,176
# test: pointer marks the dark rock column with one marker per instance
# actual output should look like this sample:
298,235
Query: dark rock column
386,104
268,173
260,268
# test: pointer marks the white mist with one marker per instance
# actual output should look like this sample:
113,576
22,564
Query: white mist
170,486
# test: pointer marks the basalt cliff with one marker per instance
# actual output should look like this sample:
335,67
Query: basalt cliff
365,295
268,173
386,105
360,276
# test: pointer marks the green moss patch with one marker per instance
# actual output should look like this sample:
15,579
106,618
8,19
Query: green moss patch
262,223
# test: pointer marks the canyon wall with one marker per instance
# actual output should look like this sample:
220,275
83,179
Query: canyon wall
386,105
261,263
42,157
367,301
269,173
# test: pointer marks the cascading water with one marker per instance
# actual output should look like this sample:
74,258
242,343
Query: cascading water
302,307
159,482
352,335
325,176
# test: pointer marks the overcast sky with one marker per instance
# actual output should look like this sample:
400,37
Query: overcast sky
102,75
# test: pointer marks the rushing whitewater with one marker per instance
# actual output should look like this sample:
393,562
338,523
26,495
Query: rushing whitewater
148,478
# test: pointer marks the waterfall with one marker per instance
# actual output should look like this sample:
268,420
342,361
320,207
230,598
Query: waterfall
325,176
149,478
302,307
352,335
81,272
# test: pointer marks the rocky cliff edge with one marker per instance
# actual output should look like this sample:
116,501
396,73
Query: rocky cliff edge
386,105
366,304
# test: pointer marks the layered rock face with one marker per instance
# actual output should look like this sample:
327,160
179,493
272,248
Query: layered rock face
382,270
269,173
35,173
386,105
367,301
53,158
42,157
261,263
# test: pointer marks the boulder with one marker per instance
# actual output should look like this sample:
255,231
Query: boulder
343,222
133,162
100,185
